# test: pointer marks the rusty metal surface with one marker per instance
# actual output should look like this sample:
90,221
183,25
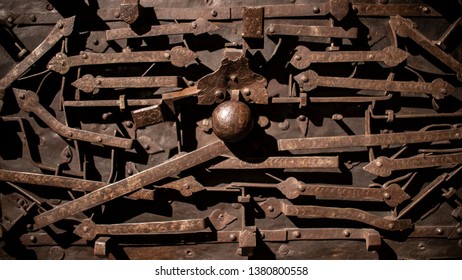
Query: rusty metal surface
251,129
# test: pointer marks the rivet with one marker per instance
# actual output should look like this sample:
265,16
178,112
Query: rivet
443,91
459,231
95,42
302,118
167,55
146,147
30,226
387,195
426,10
33,239
346,233
262,235
33,18
379,163
60,25
85,229
194,25
383,1
99,139
439,231
219,93
271,29
297,57
304,78
270,208
421,246
316,10
128,124
301,188
69,134
369,37
214,13
116,14
296,234
292,1
284,125
84,55
391,226
22,96
130,172
337,117
10,19
98,82
233,78
233,237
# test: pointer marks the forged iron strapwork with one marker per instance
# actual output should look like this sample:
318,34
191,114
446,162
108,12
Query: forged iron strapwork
231,129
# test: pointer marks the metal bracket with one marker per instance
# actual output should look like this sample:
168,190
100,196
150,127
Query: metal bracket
177,56
232,75
273,208
197,27
88,230
383,166
406,28
28,102
303,57
62,29
439,88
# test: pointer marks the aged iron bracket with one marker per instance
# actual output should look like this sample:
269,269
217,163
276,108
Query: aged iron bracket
406,28
62,29
311,31
233,74
292,188
273,208
406,10
177,56
278,163
438,88
218,219
383,166
197,27
398,138
303,57
89,84
131,184
148,115
28,102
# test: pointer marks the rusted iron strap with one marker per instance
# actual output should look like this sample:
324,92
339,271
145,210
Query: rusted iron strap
89,230
278,162
392,195
130,10
112,103
62,28
196,27
311,31
405,10
218,220
28,102
303,57
406,28
351,214
383,166
88,83
177,56
399,138
438,88
131,184
65,183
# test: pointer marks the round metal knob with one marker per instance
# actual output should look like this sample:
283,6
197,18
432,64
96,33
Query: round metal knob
232,121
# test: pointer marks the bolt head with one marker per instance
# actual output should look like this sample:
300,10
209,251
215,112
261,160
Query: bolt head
346,233
296,234
387,195
304,79
233,237
379,163
146,147
270,208
316,10
33,239
10,20
85,229
297,57
167,55
439,231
